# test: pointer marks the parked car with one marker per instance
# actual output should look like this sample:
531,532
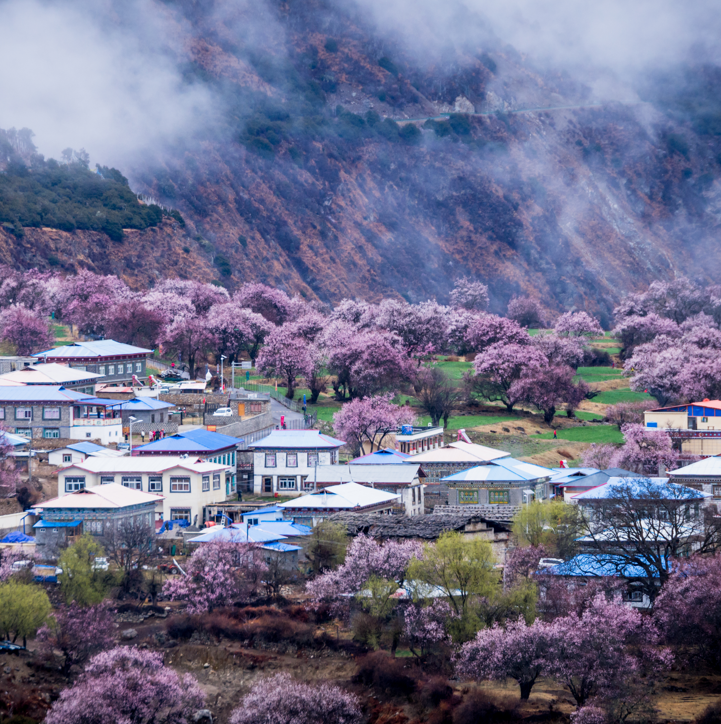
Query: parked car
123,446
100,564
22,565
223,412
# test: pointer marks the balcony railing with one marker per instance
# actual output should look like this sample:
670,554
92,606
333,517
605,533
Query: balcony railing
95,421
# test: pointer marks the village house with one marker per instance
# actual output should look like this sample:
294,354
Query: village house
693,427
187,484
704,475
79,452
112,361
150,415
504,481
404,480
51,411
413,440
95,511
316,507
52,374
428,528
283,460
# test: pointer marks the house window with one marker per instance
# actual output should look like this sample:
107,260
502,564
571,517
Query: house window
111,369
107,479
67,458
51,413
717,491
155,484
499,496
232,459
152,417
24,431
73,484
94,527
179,485
312,460
307,484
180,514
2,413
286,483
161,417
121,369
270,460
101,370
216,481
206,483
138,366
23,413
134,482
267,485
51,432
292,461
633,596
468,497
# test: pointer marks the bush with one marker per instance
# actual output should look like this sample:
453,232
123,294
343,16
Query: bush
711,714
331,45
594,357
410,133
380,670
434,691
180,627
479,706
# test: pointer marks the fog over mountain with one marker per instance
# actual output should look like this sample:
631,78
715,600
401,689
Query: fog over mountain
251,119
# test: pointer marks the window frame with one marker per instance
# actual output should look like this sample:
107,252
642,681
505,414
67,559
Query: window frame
111,370
294,457
177,481
47,430
107,479
216,481
154,480
268,458
206,484
180,514
24,417
288,480
135,479
505,494
70,483
67,458
46,416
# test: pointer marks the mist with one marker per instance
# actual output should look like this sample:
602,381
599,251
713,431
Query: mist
80,76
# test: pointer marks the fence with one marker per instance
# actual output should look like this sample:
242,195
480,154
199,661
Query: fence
277,396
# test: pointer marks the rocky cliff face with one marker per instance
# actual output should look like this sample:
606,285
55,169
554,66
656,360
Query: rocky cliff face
299,182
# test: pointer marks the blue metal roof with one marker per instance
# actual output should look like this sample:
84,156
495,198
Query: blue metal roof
144,403
389,456
602,565
262,511
10,438
191,441
281,547
57,523
42,393
640,487
86,447
297,439
283,527
503,470
99,348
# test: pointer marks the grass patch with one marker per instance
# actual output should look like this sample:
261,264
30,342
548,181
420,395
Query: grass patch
454,370
597,433
598,374
519,446
583,415
613,397
469,421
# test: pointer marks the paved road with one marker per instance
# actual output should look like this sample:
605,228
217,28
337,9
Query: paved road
276,409
444,116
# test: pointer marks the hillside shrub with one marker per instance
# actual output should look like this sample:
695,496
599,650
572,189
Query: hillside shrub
380,670
479,706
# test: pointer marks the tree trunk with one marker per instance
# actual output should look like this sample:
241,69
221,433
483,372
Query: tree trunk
548,415
526,687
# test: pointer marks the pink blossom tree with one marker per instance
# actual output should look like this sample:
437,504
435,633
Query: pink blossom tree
364,558
458,324
467,294
526,311
500,366
286,355
677,300
626,412
654,368
188,337
133,321
644,450
350,311
577,324
31,289
280,699
201,295
420,327
517,652
589,714
273,304
547,387
522,563
8,556
27,331
218,574
635,330
78,633
231,328
128,685
592,653
425,627
560,350
688,610
370,420
490,329
598,455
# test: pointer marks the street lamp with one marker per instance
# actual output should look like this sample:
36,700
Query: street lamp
131,420
222,380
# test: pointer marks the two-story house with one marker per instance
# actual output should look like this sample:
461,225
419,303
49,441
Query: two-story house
113,361
283,460
51,411
187,484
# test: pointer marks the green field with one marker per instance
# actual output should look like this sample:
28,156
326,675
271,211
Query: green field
613,397
596,433
454,370
582,415
598,374
468,421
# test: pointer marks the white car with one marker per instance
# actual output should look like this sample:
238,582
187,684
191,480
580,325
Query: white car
100,564
223,412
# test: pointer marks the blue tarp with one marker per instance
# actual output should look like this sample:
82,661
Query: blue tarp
57,523
17,537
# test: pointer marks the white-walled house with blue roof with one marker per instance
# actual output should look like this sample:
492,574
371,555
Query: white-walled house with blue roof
504,481
80,451
113,361
283,460
211,446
